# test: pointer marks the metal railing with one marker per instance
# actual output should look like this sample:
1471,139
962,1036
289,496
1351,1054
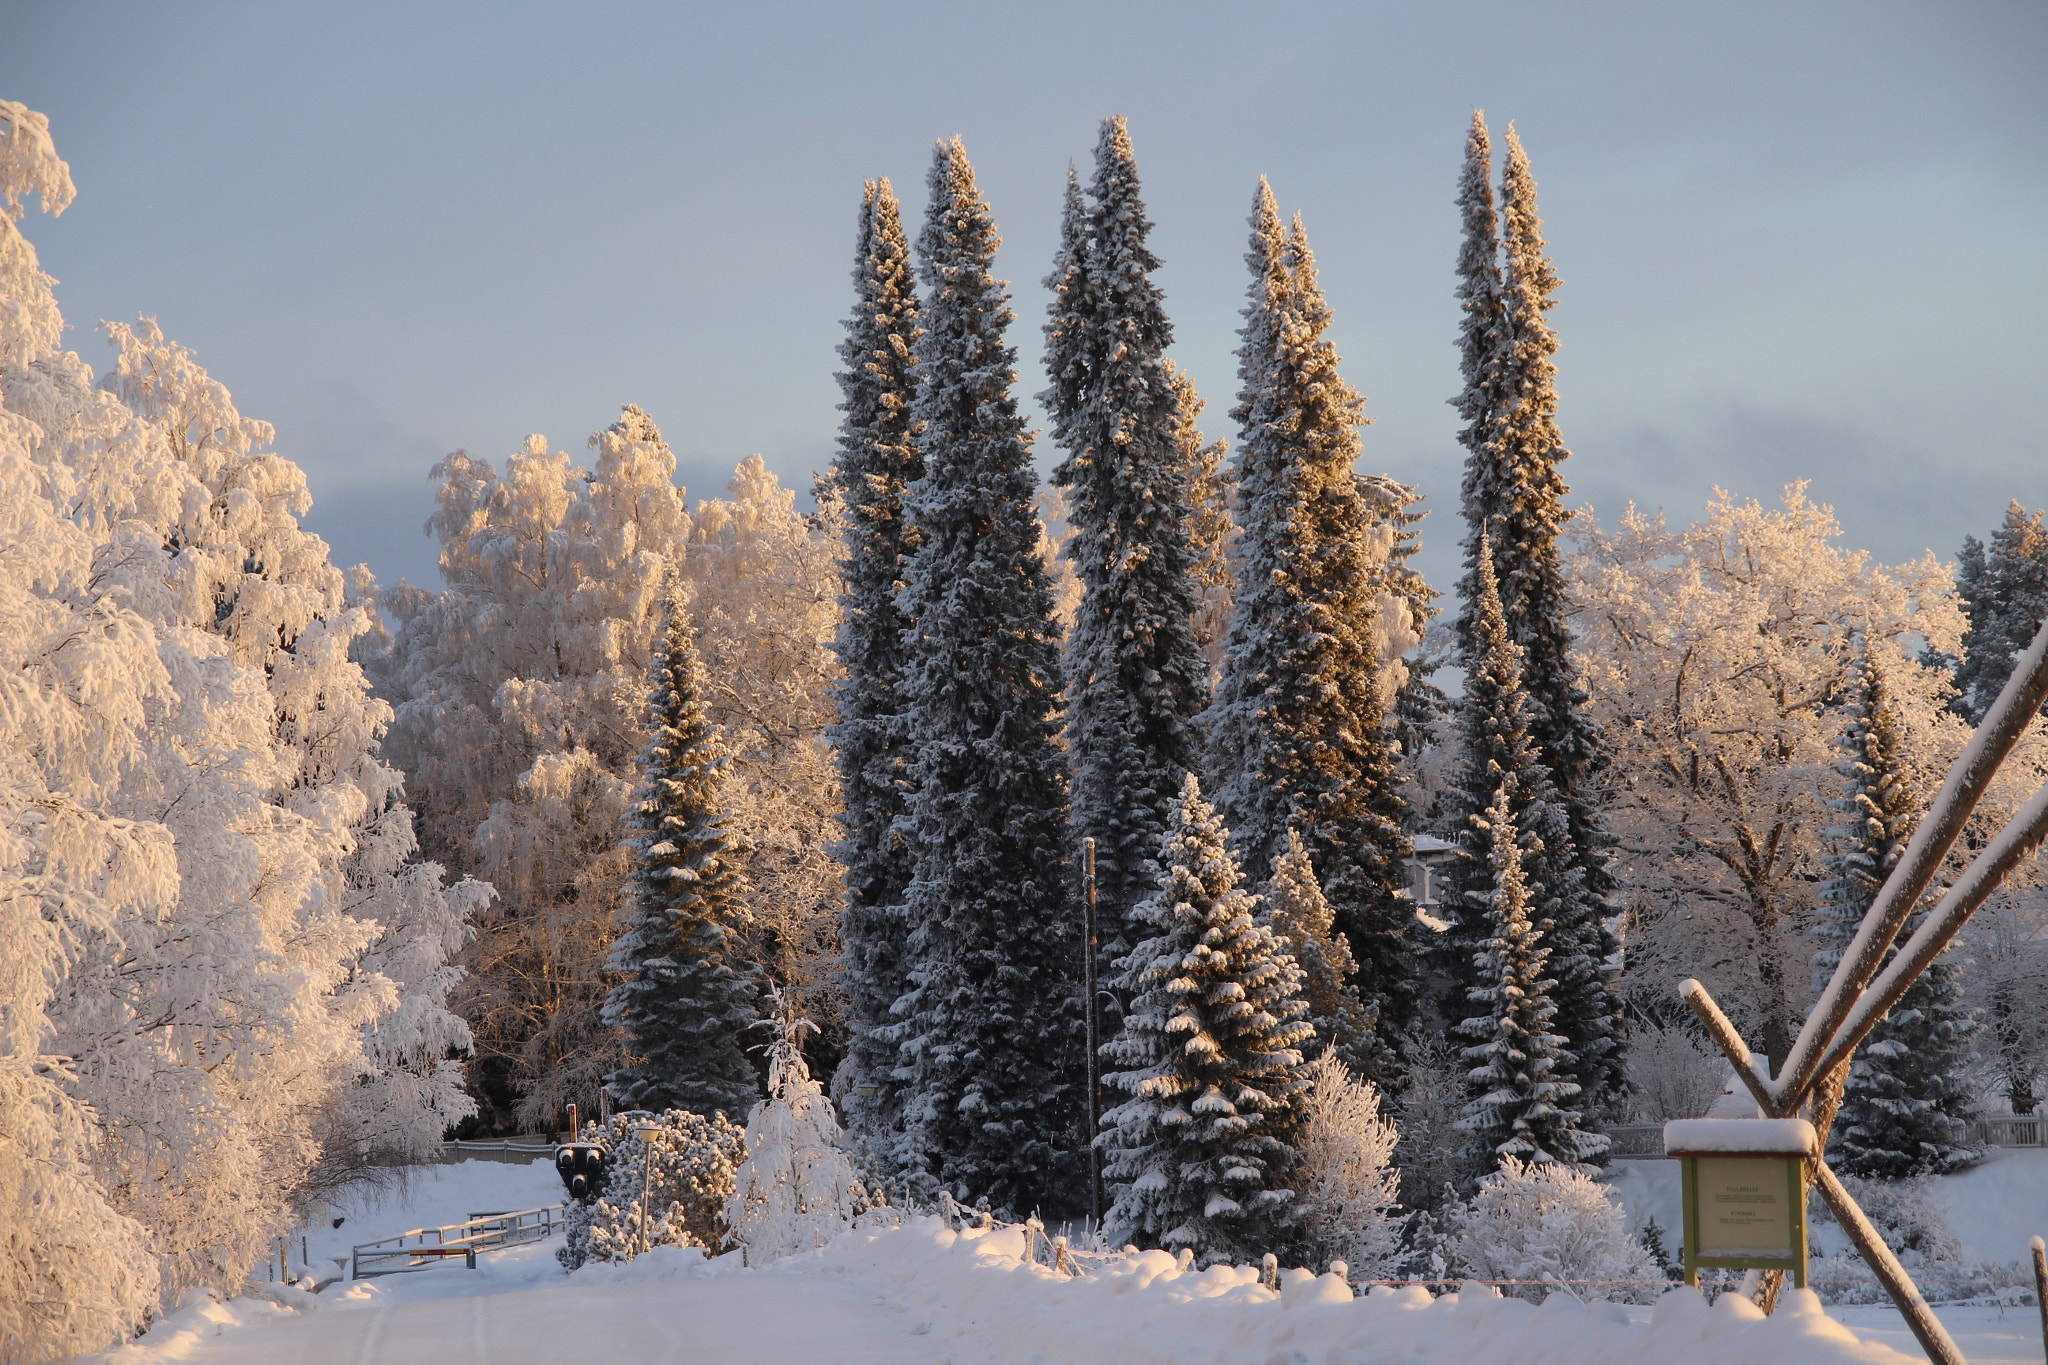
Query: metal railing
517,1150
425,1247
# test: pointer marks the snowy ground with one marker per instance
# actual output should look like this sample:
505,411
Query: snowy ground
926,1295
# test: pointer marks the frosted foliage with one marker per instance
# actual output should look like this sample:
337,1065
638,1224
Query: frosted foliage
764,582
519,690
796,1190
1300,916
1672,1075
230,954
30,325
1712,654
1346,1182
693,1160
1553,1225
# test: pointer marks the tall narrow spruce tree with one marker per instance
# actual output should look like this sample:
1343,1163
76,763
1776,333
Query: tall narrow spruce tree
1519,1080
991,1049
1299,726
1496,748
1905,1105
876,464
1210,1057
1514,499
684,1004
1136,679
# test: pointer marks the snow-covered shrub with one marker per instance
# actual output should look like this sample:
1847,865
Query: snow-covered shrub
1553,1224
796,1190
1427,1108
694,1161
1672,1075
1906,1216
1345,1183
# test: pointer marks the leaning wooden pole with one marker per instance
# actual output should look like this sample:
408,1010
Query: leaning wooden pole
1926,1328
1969,777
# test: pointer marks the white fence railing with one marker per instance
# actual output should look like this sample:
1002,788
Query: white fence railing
425,1247
1639,1140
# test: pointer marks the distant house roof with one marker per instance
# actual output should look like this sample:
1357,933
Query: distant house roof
1428,844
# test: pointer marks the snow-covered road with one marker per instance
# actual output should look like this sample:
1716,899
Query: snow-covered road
740,1320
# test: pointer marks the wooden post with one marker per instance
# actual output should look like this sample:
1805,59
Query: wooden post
1094,1062
2041,1287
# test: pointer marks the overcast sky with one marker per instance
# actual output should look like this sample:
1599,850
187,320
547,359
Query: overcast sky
1796,240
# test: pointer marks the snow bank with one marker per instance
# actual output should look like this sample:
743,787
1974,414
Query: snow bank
1790,1137
974,1291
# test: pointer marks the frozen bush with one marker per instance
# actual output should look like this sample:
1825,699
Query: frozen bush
1672,1075
1551,1224
694,1163
1345,1184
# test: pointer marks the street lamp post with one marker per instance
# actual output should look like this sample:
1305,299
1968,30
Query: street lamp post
1094,1097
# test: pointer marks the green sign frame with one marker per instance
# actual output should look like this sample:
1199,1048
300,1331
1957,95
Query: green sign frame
1770,1173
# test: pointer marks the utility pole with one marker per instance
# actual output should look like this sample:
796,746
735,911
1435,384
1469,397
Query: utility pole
1094,1062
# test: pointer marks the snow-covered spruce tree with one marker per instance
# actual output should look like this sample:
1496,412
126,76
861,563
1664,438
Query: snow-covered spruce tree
2004,587
1211,530
1299,726
992,1039
876,465
1904,1107
1295,907
796,1190
685,1003
1496,747
1209,1054
1514,499
1520,1107
1135,678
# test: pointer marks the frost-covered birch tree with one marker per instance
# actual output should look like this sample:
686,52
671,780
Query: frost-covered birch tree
238,991
991,1043
1713,655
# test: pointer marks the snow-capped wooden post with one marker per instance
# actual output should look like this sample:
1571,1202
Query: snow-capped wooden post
1864,987
1744,1187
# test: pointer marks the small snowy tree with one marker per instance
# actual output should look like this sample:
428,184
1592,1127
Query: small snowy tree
991,1050
1519,1081
796,1190
685,1004
1345,1181
1550,1224
1301,918
877,463
1210,1058
1905,1104
685,1168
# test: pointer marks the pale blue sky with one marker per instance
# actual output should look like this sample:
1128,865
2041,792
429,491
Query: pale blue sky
1796,240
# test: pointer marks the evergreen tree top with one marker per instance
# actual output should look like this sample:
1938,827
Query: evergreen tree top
880,335
1263,314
